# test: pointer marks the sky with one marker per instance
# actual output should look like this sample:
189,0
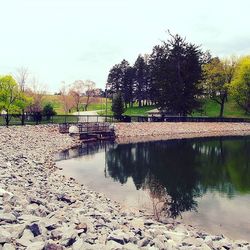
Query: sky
68,40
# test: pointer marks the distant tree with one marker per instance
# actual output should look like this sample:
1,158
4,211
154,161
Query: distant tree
12,99
36,92
90,92
158,70
82,88
118,105
48,110
218,75
140,78
121,79
240,87
177,76
66,99
76,91
128,86
21,76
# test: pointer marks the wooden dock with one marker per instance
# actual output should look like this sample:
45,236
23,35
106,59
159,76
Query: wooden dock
89,131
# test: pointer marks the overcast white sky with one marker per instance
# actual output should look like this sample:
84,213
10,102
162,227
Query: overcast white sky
66,40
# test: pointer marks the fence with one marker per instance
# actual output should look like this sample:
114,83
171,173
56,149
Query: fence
59,119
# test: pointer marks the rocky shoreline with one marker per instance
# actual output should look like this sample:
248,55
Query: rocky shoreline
170,130
41,209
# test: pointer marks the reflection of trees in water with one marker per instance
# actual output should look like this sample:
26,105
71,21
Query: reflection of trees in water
88,149
183,169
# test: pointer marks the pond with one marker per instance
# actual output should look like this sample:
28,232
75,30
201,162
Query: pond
204,181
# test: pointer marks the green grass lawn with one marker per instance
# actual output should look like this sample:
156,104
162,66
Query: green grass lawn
138,110
210,108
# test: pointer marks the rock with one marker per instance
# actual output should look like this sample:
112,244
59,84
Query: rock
66,198
4,192
38,245
29,218
175,236
73,129
7,217
23,242
113,245
137,223
205,247
16,230
53,246
118,236
78,245
143,243
8,246
56,234
34,200
34,228
81,228
5,236
149,222
159,244
130,246
192,242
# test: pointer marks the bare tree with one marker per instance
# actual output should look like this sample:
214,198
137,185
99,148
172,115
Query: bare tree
21,77
90,92
76,91
82,88
36,92
66,99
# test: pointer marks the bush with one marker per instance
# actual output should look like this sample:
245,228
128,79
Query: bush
48,111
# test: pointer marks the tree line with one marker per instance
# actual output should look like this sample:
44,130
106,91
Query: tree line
178,76
24,98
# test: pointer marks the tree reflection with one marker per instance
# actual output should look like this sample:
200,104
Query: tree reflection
182,170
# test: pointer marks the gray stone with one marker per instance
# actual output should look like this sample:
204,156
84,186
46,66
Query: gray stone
7,217
53,246
143,243
4,192
8,246
113,245
159,244
38,245
118,236
5,236
35,229
23,242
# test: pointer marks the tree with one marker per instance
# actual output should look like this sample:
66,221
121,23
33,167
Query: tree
12,100
121,78
90,92
79,89
48,110
218,75
240,87
21,77
76,92
140,69
36,93
178,74
66,99
118,105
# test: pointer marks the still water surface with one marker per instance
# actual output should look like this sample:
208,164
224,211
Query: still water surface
206,180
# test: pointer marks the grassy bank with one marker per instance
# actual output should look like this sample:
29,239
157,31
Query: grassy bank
210,108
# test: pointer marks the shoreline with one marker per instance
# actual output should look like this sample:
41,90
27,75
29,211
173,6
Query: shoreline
41,209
